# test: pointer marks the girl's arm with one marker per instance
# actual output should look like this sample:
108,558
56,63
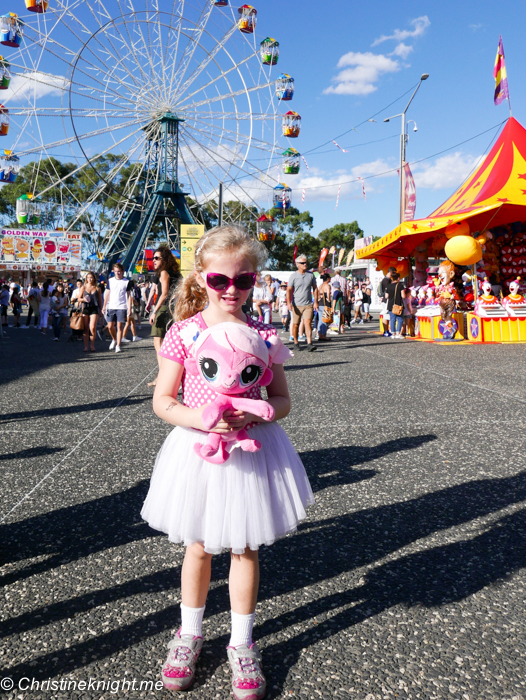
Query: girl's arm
166,405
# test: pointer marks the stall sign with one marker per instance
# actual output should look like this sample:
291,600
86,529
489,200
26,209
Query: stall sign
40,247
190,236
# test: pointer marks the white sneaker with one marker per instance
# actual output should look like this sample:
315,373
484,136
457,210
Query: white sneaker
353,321
117,348
361,321
136,338
125,340
112,345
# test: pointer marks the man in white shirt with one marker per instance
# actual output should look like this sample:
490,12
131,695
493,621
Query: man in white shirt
116,305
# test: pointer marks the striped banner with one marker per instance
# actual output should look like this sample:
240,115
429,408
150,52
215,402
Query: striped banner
338,196
363,186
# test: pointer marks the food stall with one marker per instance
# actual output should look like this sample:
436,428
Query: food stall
479,233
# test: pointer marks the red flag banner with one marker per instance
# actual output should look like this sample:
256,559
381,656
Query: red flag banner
409,194
295,253
323,255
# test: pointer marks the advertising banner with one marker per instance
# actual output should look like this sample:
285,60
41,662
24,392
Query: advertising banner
40,250
190,236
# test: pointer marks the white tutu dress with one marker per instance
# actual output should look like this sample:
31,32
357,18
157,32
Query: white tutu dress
252,499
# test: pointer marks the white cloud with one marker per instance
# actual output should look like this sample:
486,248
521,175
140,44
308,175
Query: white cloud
475,27
402,50
420,24
364,71
32,85
448,171
375,167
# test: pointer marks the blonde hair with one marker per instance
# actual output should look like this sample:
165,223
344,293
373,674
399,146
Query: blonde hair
190,297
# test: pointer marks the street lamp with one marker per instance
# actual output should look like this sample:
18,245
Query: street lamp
403,139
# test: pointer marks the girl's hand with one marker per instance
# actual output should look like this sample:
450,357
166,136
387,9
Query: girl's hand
231,421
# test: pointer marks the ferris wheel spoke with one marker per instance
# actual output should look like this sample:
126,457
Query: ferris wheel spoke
218,98
212,154
258,143
82,86
39,77
258,116
256,173
85,29
189,50
72,139
88,162
92,113
192,182
68,52
204,63
200,165
222,74
128,7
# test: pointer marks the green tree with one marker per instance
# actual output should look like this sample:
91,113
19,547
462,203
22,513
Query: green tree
340,236
292,229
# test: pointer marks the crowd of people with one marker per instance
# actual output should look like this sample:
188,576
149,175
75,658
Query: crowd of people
89,309
312,307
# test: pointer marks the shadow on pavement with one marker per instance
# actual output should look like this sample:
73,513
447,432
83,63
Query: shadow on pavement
31,452
66,410
319,551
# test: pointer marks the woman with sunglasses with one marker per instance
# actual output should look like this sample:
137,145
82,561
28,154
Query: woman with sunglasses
254,497
168,276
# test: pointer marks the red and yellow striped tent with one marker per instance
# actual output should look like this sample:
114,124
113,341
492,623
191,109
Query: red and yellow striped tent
495,195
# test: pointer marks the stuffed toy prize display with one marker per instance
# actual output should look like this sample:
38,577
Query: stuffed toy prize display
231,359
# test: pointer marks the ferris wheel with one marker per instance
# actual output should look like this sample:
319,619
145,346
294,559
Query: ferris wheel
153,101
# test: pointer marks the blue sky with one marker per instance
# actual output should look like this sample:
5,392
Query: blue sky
350,60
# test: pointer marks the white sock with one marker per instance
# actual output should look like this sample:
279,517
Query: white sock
192,620
241,629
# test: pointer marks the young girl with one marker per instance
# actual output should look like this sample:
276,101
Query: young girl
252,499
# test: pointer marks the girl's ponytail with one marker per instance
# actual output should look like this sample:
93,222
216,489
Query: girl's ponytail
189,298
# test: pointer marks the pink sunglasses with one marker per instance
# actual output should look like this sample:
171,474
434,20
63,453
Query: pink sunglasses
241,282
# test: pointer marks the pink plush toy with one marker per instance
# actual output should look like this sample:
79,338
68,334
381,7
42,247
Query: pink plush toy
231,359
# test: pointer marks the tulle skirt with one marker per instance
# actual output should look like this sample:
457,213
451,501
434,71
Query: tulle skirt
252,499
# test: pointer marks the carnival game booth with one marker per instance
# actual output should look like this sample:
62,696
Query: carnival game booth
480,235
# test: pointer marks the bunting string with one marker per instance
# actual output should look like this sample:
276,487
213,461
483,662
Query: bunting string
303,195
305,162
338,197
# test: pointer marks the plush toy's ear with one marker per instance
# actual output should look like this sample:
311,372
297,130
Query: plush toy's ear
190,365
277,351
267,377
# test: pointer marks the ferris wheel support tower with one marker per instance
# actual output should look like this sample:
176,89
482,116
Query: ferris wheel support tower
162,158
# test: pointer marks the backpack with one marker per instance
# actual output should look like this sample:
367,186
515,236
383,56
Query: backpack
137,294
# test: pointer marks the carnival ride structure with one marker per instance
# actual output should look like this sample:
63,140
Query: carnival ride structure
181,96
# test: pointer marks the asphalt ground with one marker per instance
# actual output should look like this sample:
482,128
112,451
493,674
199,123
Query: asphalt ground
407,579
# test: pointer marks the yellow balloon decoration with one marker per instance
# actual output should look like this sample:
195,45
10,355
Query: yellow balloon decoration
402,267
463,250
459,229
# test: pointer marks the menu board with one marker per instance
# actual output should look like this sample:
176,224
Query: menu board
40,250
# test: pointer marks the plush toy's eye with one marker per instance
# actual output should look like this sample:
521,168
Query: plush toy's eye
250,375
209,368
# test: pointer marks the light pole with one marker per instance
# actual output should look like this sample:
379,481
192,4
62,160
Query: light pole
403,138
